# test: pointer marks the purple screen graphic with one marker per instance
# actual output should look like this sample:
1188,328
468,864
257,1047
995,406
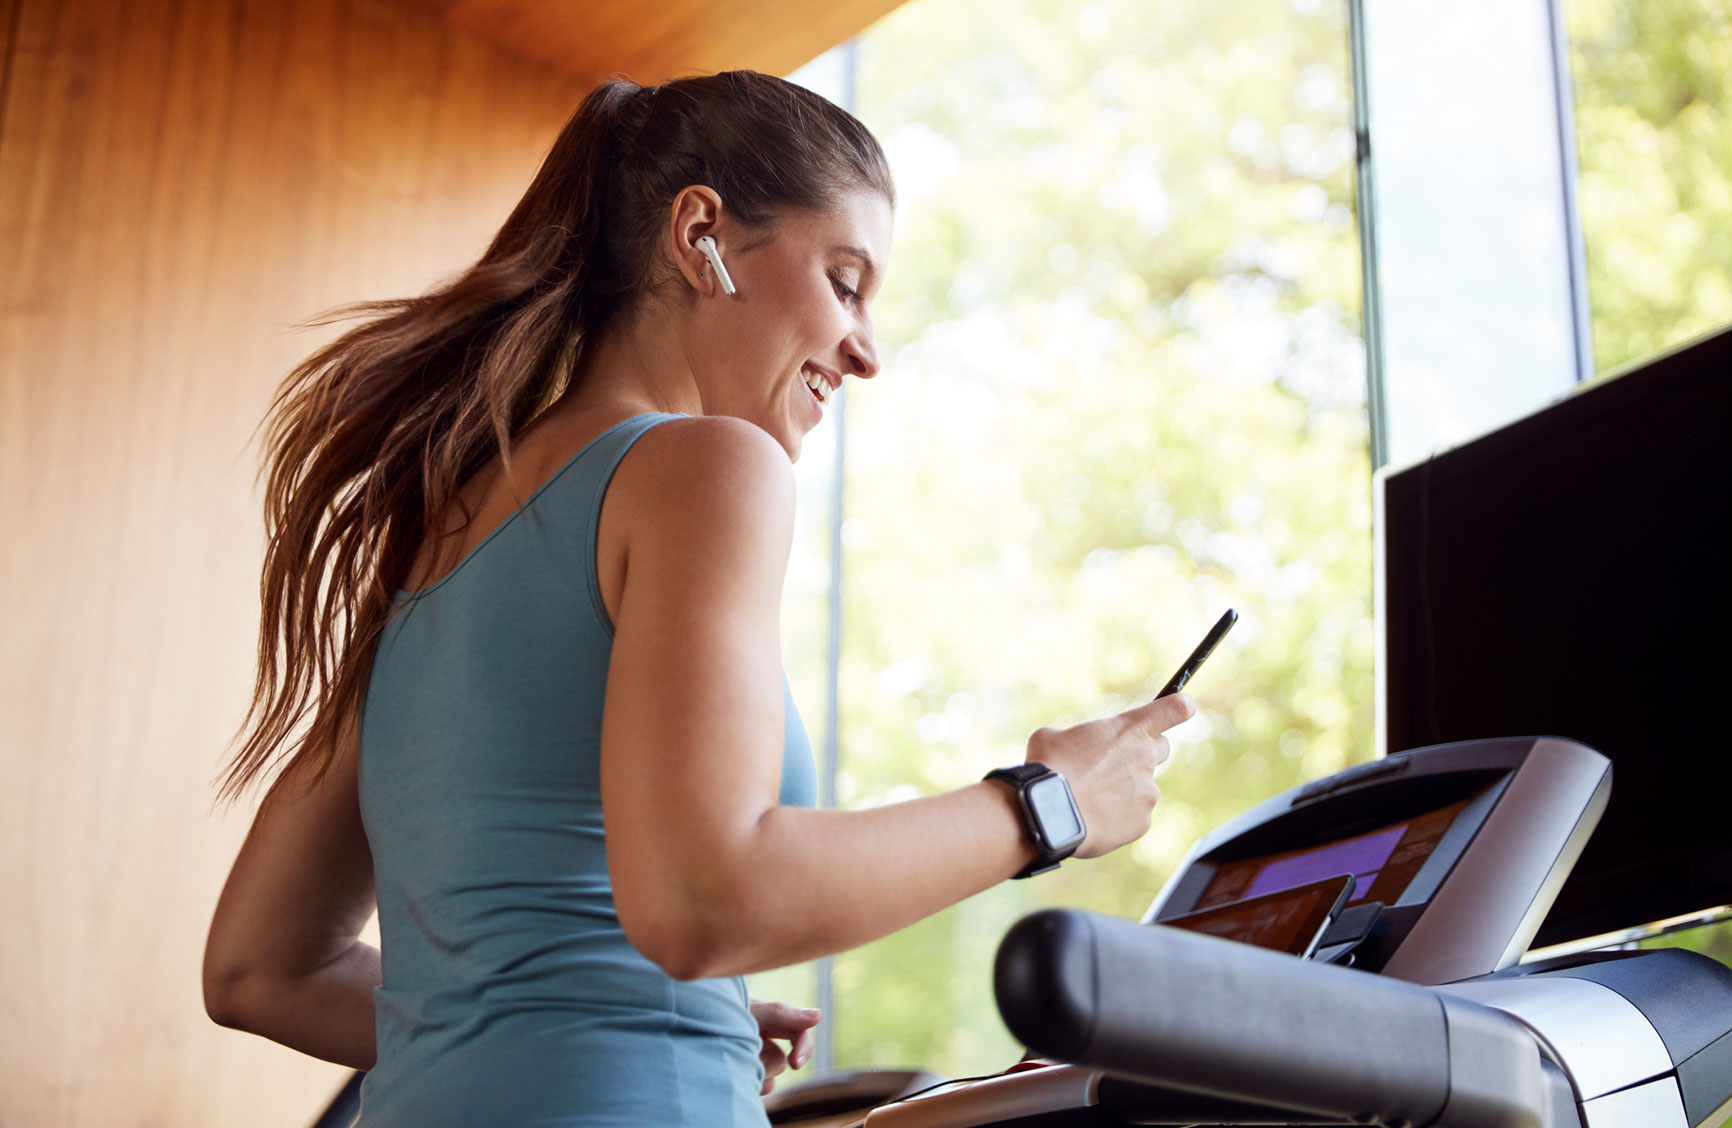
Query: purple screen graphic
1358,856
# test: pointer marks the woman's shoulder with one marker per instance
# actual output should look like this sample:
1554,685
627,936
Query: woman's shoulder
704,492
711,460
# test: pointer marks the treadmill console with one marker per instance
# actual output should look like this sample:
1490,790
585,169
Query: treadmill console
1456,853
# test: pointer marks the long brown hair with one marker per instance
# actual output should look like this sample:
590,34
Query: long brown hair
368,439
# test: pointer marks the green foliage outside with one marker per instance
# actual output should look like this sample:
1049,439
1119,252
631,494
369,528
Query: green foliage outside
1709,939
1653,86
1124,390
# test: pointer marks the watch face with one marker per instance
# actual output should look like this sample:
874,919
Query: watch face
1056,810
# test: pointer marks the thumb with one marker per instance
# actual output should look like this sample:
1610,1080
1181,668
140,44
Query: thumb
779,1020
1161,714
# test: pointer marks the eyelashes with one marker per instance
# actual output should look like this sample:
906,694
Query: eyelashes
843,291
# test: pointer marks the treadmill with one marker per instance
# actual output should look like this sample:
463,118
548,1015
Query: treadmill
1347,953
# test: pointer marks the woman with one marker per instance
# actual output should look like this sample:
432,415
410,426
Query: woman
527,541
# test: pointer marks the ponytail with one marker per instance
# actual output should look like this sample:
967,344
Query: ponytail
369,439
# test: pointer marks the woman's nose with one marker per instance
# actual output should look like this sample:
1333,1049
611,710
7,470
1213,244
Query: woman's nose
861,350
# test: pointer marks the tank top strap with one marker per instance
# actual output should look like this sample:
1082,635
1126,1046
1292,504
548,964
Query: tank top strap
601,458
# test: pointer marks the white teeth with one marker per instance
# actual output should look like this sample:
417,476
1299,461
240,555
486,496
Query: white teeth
820,387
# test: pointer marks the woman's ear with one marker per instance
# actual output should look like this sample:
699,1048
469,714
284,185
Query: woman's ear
695,213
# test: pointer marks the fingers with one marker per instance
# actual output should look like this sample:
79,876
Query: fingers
1162,713
775,1062
1163,748
769,1083
779,1020
801,1051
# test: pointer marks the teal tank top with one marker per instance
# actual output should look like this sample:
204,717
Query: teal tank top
510,994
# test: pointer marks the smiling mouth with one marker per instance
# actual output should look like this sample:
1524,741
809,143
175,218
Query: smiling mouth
816,383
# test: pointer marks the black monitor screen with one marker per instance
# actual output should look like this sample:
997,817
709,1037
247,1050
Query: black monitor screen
1569,575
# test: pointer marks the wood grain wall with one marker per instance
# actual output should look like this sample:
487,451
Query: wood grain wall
180,182
649,42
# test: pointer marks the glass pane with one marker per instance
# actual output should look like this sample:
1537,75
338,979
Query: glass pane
1653,91
1472,240
1123,390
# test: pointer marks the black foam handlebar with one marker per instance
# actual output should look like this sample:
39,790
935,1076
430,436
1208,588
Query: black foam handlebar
1216,1018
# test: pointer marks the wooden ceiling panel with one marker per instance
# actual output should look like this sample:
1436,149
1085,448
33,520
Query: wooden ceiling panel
650,40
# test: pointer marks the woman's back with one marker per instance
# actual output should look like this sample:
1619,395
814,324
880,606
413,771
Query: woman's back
510,993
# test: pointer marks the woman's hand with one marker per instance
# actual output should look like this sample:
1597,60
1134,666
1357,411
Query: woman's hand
791,1024
1110,766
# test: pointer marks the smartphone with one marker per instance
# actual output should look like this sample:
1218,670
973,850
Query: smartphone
1204,649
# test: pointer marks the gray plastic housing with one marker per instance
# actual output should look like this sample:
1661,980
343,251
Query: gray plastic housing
1618,1021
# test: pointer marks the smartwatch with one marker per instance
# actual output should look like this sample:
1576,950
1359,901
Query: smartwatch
1049,812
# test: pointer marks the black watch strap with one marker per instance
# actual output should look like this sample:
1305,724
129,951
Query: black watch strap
1021,774
1052,843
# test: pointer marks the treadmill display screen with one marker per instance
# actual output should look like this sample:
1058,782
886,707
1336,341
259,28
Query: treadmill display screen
1383,862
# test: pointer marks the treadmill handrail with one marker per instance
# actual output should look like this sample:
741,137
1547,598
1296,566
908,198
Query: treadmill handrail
1212,1016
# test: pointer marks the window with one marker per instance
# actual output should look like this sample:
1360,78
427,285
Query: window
1548,197
1124,389
1124,386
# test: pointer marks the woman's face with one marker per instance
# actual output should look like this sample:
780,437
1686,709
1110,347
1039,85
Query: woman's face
799,316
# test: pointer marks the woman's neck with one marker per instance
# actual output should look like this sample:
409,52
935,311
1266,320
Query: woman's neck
642,362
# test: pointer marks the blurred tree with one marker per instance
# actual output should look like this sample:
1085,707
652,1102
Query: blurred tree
1653,87
1124,389
1125,392
1711,940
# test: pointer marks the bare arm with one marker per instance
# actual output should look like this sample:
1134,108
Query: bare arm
283,959
710,875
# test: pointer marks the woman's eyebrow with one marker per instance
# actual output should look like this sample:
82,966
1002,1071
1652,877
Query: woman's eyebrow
857,252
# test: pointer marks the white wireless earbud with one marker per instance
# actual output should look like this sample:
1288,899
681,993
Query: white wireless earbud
707,247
